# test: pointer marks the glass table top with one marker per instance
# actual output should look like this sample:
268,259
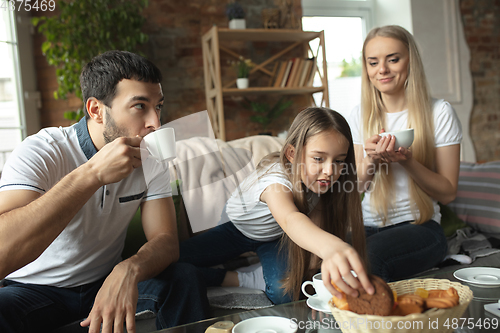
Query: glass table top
309,320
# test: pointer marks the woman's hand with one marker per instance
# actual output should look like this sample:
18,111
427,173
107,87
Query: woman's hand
381,148
385,149
371,145
337,267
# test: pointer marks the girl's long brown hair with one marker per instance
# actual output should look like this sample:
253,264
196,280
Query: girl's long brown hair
341,205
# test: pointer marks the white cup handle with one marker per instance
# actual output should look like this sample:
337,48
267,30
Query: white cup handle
304,285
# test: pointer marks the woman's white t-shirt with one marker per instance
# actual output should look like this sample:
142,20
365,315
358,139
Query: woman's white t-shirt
447,131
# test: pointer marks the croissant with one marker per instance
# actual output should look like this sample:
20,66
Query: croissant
409,303
340,303
442,299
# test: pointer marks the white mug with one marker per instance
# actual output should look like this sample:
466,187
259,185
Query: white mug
161,144
321,292
404,138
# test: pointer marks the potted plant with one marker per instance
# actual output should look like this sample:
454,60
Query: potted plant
236,16
266,114
242,67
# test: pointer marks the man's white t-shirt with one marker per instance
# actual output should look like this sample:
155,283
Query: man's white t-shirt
447,131
91,244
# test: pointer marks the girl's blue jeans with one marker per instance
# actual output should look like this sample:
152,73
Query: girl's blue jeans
225,242
400,251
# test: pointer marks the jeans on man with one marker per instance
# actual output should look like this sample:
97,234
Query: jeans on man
177,295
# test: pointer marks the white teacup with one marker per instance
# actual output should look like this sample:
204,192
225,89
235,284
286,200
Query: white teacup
321,292
404,138
161,144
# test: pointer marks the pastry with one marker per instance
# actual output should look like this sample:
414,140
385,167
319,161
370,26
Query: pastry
442,299
340,303
408,304
380,303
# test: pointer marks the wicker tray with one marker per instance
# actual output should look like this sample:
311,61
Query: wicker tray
433,320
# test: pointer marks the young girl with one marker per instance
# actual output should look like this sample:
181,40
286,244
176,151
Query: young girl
295,213
400,209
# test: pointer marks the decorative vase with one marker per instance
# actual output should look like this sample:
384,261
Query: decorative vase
242,82
237,24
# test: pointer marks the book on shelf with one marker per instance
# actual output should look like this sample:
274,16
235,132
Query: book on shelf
280,73
294,72
306,70
312,74
287,73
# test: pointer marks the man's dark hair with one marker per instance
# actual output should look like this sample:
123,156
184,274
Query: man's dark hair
102,74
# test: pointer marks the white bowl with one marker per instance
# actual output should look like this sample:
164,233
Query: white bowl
404,138
266,324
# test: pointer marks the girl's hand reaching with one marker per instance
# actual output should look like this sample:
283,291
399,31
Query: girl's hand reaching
337,266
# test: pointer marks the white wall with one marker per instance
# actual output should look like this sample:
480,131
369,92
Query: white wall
388,12
438,30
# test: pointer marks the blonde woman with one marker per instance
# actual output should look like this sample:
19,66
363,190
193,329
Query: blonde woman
402,188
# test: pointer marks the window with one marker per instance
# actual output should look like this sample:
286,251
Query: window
345,23
19,99
12,130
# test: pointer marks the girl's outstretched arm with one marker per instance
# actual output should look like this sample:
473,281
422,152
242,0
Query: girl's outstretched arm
339,258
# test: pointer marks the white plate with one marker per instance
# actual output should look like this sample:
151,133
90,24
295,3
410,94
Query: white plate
483,277
317,304
266,324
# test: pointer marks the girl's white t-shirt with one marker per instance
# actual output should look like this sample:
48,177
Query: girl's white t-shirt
248,213
447,131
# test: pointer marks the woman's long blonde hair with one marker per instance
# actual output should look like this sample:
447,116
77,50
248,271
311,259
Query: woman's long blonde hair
341,205
420,118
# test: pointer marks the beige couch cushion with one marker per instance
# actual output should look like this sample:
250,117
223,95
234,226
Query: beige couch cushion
210,170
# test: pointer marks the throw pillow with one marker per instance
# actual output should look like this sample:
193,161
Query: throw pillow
478,198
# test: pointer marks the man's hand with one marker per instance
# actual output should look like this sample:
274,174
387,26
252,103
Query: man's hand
116,160
115,303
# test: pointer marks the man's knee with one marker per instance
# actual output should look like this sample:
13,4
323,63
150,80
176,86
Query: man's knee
10,318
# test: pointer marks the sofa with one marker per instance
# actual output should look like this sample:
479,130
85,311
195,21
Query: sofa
205,166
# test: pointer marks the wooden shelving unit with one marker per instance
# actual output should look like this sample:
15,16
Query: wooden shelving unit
215,90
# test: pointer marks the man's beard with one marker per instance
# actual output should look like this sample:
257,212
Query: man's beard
111,130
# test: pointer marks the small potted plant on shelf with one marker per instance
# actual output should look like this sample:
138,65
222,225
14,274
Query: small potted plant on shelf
236,16
242,67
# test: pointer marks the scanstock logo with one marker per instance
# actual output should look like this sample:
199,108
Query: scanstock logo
206,171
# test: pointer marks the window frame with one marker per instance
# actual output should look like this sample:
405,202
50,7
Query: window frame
20,41
342,8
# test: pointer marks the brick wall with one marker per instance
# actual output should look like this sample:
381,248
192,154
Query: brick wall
481,20
175,29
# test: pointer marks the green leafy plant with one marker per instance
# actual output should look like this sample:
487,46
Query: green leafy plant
84,29
266,114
